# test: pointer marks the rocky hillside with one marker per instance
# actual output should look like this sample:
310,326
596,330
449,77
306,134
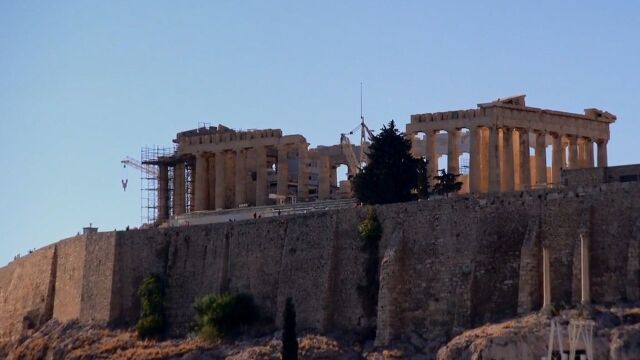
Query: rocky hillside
617,337
71,341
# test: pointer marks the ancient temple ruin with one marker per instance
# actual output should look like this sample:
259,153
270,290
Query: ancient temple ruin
507,143
216,168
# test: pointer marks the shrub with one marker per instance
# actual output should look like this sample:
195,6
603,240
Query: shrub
223,315
151,294
289,339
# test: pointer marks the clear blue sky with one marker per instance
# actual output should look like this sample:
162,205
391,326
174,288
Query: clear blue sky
83,84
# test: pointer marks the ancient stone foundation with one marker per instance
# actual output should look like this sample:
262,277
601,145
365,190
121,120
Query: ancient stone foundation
446,264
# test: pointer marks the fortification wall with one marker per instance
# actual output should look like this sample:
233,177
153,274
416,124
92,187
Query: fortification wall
458,263
446,264
69,277
137,254
26,292
97,281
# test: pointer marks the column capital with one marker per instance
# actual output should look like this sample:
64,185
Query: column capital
555,134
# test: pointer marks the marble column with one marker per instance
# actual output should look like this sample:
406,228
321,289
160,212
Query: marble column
202,183
573,152
582,154
220,179
212,182
602,153
324,178
414,144
475,169
484,159
494,160
557,159
178,189
431,154
525,160
303,172
283,170
241,177
588,147
541,158
453,152
261,176
508,183
163,192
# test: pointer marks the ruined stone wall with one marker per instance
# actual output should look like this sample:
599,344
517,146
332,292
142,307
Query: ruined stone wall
137,254
304,257
446,264
26,292
97,281
69,277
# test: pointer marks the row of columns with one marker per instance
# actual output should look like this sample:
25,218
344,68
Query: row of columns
498,164
212,189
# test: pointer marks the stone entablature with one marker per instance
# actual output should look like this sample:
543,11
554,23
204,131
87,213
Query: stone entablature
501,134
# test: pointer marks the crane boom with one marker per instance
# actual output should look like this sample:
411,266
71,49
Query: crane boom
149,170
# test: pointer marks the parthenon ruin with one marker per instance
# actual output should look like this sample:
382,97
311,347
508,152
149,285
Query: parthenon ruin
506,141
220,168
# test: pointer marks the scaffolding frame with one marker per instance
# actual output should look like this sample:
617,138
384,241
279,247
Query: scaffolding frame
189,175
149,157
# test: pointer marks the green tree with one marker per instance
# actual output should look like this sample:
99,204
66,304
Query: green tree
151,294
447,183
392,172
219,316
289,339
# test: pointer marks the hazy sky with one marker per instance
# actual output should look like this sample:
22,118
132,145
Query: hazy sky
84,84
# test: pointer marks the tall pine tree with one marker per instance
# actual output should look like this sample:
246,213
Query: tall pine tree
392,172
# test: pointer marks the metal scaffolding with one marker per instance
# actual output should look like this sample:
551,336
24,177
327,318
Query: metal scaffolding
149,157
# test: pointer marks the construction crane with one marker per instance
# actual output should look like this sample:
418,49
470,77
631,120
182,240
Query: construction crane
354,164
149,170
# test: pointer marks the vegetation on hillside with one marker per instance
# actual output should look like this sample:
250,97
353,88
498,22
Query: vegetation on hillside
152,320
219,316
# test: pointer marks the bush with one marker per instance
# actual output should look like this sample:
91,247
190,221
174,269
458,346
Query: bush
223,315
151,294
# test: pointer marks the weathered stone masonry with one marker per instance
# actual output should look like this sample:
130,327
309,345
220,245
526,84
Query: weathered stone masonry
447,264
